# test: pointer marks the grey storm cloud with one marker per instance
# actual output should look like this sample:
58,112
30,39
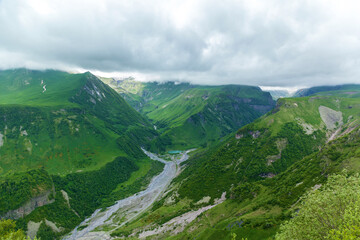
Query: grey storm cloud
254,42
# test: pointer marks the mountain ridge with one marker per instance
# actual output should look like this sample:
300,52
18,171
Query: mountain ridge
84,137
68,148
188,115
255,167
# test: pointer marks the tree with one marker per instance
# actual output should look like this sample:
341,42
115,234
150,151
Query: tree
8,231
332,212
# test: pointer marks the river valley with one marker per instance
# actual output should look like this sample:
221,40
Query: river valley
126,210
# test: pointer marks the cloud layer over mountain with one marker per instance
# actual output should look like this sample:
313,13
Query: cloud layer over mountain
254,42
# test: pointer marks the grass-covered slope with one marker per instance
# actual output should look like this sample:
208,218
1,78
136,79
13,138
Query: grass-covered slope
262,206
72,125
38,88
296,128
192,115
67,142
264,168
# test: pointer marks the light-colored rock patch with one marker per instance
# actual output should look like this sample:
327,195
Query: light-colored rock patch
351,128
281,145
96,236
272,158
92,100
308,128
31,205
238,136
330,117
53,226
33,228
221,199
298,184
28,145
1,140
255,134
203,200
238,162
334,135
172,199
178,224
267,175
66,197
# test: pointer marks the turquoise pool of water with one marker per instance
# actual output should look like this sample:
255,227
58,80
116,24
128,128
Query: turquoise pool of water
174,152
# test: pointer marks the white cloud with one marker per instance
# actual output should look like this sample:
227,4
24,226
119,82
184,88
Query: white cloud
254,42
290,90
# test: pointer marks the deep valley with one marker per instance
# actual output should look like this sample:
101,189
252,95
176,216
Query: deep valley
86,157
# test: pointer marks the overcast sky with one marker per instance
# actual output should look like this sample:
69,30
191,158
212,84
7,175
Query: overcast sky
255,42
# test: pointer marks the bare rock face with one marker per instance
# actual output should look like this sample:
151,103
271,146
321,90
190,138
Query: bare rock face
330,117
31,205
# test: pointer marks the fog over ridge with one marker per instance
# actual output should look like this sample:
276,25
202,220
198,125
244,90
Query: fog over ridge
268,43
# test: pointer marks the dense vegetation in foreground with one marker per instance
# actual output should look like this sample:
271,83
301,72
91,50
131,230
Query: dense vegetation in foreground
329,213
8,231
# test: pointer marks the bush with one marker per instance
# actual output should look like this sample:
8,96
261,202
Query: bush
8,231
330,213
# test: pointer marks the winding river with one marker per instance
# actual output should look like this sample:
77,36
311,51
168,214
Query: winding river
125,210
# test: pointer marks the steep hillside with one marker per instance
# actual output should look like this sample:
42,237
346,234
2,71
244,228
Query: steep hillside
66,142
71,125
296,128
38,88
347,90
256,210
262,170
147,96
190,116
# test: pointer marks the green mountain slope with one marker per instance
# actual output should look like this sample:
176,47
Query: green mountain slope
264,168
72,125
191,115
66,142
262,206
267,147
37,88
347,90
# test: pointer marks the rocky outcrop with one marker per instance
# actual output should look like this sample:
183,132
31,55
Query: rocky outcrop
31,205
330,117
33,227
